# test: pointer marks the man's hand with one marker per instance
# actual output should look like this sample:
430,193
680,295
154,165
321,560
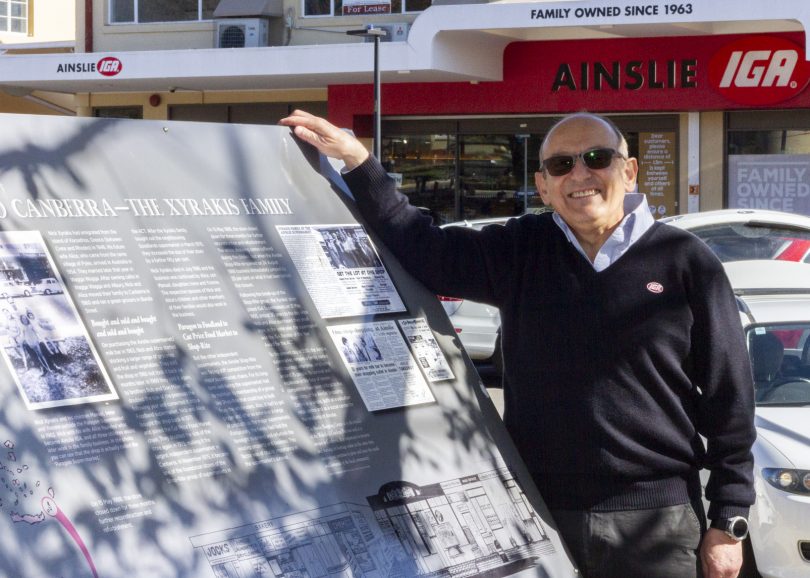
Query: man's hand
720,555
327,138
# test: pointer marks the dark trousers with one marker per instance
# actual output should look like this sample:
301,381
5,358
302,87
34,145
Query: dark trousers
654,543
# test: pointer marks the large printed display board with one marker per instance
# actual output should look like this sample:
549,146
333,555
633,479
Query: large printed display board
210,368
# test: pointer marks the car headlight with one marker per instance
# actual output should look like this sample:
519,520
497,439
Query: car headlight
788,480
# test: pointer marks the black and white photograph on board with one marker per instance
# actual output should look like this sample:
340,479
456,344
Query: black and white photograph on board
348,247
45,344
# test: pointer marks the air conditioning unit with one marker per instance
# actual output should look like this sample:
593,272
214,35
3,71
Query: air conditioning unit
241,32
395,32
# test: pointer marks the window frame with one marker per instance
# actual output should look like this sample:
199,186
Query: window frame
134,4
26,19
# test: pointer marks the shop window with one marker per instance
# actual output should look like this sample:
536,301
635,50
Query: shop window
131,112
14,16
145,11
768,142
465,176
492,178
425,165
362,7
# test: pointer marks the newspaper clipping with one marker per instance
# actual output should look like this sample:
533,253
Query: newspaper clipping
380,364
341,270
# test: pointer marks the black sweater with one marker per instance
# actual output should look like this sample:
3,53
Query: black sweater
610,377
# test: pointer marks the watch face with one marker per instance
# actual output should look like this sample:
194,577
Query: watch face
738,527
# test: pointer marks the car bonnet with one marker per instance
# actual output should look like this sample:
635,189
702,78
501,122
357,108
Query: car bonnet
788,429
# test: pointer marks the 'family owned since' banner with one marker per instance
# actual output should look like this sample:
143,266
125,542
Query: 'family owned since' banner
210,368
776,182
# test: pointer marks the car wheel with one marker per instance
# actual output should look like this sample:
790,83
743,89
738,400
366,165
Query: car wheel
27,293
749,567
497,356
47,291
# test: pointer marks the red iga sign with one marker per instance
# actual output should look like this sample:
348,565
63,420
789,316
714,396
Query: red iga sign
109,66
695,73
759,70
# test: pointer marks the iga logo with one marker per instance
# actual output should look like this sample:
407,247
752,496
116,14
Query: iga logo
109,66
759,70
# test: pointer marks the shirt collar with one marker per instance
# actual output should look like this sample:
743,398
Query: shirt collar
636,221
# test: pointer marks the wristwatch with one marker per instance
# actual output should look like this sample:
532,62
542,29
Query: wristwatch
736,528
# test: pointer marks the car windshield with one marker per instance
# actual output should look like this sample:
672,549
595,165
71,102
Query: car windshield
753,240
780,359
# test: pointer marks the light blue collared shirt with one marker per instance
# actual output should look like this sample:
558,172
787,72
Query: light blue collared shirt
637,221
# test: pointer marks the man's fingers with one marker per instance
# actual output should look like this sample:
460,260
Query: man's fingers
306,134
299,112
326,137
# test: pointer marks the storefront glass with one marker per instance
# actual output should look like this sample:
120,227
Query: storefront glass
457,177
426,164
768,142
491,175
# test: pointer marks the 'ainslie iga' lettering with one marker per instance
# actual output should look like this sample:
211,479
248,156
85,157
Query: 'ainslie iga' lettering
76,67
107,66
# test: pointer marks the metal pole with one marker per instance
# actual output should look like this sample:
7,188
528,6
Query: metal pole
525,173
377,107
525,139
374,33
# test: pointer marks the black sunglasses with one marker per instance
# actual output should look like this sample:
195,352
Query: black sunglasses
599,158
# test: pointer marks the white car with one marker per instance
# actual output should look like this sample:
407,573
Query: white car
10,288
766,256
743,234
477,325
48,286
774,298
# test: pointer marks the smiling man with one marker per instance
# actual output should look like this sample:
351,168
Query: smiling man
622,346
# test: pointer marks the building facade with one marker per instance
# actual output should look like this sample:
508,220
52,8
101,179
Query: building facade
28,27
706,92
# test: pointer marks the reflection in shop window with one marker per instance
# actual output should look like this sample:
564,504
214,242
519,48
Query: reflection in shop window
131,112
145,11
427,166
14,16
491,176
768,142
416,5
464,177
317,8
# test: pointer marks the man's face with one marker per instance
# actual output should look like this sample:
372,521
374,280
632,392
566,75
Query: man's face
587,199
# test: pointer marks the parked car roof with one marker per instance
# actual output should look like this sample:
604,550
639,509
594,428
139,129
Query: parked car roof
746,234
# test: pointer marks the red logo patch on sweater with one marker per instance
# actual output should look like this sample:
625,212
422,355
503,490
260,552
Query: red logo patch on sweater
655,287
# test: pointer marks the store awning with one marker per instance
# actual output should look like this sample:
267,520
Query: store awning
463,42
